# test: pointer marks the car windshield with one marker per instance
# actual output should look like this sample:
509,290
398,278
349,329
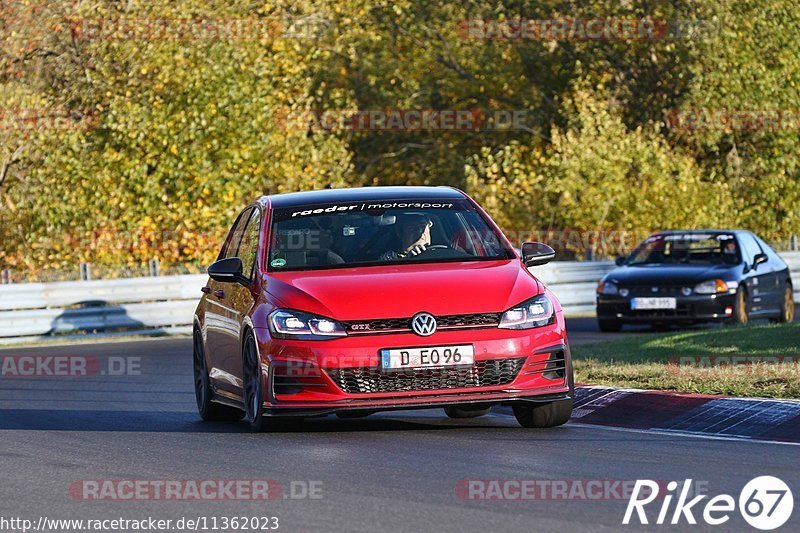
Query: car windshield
381,232
689,248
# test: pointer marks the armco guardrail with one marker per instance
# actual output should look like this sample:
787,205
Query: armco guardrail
32,310
573,282
166,304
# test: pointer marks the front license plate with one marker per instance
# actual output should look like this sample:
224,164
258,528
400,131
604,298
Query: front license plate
428,357
653,303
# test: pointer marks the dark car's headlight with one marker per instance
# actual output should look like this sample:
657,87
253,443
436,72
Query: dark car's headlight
712,286
607,287
289,324
533,313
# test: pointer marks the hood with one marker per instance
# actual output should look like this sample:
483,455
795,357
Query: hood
399,291
659,274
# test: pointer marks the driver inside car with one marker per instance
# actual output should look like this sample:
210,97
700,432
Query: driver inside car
415,237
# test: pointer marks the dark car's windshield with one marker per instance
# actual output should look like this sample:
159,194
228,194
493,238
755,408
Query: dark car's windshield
689,248
380,233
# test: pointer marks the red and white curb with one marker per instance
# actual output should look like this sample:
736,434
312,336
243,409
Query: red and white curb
700,414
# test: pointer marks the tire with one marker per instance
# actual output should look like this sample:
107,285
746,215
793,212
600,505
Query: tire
203,393
544,416
608,325
740,313
787,310
466,411
252,385
253,381
550,414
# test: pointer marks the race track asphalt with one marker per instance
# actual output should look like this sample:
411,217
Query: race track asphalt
389,472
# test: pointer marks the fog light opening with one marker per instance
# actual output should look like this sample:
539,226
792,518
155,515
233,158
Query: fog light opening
293,377
556,366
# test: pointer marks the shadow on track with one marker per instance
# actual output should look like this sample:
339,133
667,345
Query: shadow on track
323,430
187,422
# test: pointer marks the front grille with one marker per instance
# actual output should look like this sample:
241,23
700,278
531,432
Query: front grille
480,374
682,310
468,321
647,290
624,309
394,325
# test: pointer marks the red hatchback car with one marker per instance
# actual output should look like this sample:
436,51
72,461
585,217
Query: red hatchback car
353,301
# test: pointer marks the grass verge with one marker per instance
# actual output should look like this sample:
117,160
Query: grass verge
754,361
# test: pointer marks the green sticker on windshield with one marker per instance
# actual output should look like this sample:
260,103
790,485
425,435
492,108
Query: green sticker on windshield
278,262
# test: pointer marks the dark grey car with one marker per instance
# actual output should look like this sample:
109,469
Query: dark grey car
696,276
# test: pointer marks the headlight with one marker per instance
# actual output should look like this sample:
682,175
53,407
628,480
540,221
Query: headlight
534,313
711,287
288,324
607,287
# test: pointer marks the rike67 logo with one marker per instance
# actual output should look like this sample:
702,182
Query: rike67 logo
766,503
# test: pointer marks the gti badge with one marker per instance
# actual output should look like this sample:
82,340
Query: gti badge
423,324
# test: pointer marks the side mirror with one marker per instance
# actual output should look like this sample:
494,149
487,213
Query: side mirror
760,258
227,271
536,254
620,260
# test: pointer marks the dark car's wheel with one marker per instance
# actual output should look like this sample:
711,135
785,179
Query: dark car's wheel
608,325
202,388
787,310
550,414
740,313
466,411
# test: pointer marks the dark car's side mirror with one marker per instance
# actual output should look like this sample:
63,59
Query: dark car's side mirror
536,254
227,270
620,260
760,258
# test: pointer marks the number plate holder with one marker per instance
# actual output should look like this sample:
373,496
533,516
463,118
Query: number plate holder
393,359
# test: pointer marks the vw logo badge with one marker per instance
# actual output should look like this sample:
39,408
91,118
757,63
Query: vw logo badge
423,324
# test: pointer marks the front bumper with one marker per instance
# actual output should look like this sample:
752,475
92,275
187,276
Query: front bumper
431,402
306,377
689,309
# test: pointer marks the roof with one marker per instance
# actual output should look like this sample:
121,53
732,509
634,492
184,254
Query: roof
362,194
696,231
